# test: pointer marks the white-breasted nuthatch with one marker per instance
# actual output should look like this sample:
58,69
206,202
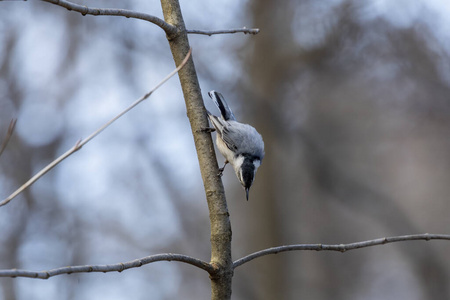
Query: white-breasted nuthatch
240,144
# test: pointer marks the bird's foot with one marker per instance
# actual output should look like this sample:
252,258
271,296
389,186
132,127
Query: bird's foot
221,169
207,129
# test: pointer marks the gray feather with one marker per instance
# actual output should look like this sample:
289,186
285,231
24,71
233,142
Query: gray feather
216,122
242,138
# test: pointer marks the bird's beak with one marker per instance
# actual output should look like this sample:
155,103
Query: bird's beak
246,192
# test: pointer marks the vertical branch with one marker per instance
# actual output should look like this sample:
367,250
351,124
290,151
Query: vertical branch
215,195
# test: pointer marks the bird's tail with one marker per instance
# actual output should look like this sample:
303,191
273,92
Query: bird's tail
220,102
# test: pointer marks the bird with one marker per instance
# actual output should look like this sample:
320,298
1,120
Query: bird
240,144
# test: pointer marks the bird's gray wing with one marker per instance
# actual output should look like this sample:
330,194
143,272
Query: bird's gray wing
232,138
230,133
242,138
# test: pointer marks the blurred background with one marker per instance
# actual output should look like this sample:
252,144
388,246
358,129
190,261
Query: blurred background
352,99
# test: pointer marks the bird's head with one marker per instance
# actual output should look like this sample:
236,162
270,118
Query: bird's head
246,169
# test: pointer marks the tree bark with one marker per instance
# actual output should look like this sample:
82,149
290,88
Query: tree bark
215,194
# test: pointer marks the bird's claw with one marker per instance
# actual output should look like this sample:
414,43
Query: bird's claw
221,169
207,129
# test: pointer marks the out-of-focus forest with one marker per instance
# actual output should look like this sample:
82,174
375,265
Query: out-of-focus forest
352,99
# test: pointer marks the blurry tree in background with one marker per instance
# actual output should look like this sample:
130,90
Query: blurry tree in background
351,97
353,105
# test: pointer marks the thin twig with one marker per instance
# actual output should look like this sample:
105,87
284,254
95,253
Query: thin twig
81,143
341,247
84,10
211,32
119,267
9,133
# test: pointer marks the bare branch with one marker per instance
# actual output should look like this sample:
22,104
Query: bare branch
341,247
9,133
211,32
119,267
84,10
81,143
168,28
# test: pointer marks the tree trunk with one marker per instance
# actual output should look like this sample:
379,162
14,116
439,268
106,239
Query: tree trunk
215,194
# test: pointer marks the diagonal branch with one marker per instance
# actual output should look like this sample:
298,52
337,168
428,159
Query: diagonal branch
119,267
341,247
81,143
211,32
84,10
9,133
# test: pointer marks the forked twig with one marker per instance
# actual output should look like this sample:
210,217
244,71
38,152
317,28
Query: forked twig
9,133
210,268
168,28
81,143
